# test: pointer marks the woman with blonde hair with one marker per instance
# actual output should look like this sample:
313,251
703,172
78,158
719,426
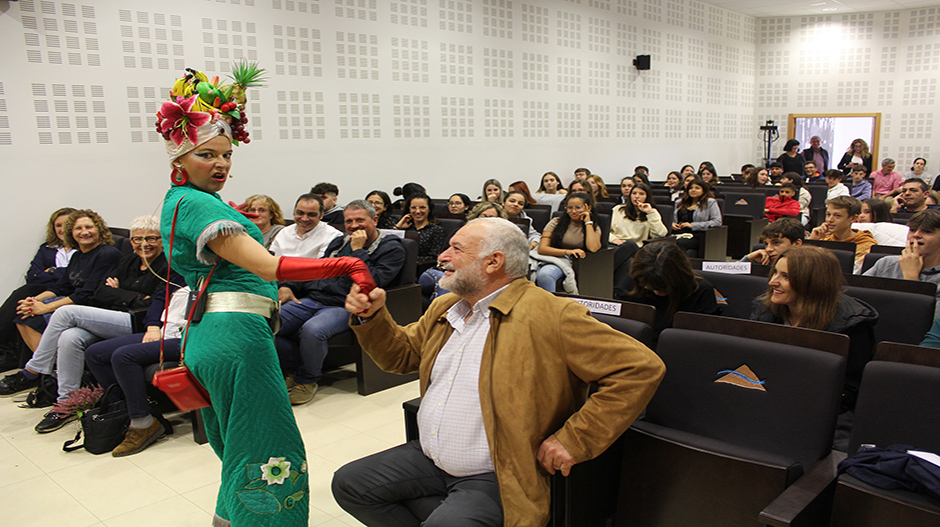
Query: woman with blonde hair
805,290
269,217
492,191
598,186
856,154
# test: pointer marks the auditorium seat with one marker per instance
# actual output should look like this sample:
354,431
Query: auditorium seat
716,447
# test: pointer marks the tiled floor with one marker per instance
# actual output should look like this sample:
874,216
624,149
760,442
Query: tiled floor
174,482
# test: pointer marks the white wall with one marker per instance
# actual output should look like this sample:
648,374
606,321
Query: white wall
886,62
384,92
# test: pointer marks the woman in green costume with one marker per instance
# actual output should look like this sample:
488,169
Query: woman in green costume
230,350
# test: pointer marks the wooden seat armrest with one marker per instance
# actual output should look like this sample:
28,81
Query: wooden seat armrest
809,500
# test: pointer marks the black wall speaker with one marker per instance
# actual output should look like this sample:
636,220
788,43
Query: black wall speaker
642,62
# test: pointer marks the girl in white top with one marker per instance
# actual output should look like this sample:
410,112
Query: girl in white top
637,220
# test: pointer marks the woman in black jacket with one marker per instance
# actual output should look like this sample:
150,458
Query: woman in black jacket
805,290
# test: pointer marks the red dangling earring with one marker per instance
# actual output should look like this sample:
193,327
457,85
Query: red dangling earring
179,176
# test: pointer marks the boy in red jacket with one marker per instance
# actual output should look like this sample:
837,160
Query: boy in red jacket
782,204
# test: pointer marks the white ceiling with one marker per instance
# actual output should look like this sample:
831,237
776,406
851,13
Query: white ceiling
774,8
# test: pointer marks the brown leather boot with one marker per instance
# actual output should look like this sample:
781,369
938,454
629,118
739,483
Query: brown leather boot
138,439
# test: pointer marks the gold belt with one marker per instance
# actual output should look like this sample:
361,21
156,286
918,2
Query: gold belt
235,302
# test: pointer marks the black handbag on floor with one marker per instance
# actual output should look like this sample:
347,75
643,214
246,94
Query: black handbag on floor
104,426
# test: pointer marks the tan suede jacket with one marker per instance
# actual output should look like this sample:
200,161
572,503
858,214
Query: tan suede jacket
540,355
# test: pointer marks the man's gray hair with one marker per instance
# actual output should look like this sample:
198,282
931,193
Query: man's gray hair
815,137
361,204
145,223
888,161
507,238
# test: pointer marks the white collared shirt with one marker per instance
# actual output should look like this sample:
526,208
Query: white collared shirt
450,420
310,245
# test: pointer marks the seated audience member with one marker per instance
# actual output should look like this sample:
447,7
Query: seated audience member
841,213
777,236
134,284
861,187
745,168
309,235
95,257
708,175
551,427
420,219
267,216
757,177
913,197
920,260
686,171
803,196
123,360
783,204
522,187
581,173
458,204
776,170
492,191
581,185
551,184
918,170
598,187
430,279
662,277
695,212
514,204
570,235
933,197
875,211
407,190
876,218
332,211
642,173
631,225
382,204
706,165
810,171
637,220
674,184
886,179
312,311
626,186
834,183
47,267
805,290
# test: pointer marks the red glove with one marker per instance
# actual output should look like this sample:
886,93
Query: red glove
302,269
240,208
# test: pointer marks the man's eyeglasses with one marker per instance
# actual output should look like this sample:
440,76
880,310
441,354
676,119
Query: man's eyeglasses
148,239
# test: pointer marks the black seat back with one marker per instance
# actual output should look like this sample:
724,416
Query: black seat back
738,290
710,389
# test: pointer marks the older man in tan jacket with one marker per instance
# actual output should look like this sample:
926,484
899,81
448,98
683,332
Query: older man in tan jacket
504,369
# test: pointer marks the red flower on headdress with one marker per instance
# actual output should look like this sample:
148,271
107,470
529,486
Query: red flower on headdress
181,121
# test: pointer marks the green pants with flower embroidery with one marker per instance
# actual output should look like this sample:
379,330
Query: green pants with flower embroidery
250,424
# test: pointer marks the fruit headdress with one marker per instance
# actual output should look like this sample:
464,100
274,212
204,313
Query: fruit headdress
199,109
